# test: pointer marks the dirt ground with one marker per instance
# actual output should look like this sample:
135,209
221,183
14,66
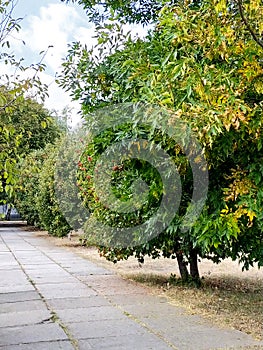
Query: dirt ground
158,266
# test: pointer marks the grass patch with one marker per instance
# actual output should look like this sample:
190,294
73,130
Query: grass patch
228,301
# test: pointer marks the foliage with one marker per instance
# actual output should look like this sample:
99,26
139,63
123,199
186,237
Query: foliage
32,121
47,205
26,198
25,126
36,199
133,208
203,65
65,180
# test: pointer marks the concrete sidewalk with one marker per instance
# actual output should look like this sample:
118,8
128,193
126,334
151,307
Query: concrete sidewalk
50,298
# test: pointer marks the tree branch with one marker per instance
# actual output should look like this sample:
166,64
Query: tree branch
245,21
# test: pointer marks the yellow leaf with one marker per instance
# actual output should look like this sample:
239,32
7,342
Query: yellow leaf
220,6
43,124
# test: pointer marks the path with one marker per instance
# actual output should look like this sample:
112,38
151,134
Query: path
50,298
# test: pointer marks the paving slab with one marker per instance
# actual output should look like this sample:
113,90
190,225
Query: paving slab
9,266
87,271
12,277
144,341
42,268
53,279
77,303
27,254
3,248
105,328
6,256
22,306
30,262
16,248
16,288
139,299
203,335
22,318
112,285
31,334
94,313
64,290
14,297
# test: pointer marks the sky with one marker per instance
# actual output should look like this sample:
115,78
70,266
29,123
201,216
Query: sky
52,23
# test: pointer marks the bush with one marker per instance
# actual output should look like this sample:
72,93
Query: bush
36,198
47,204
26,196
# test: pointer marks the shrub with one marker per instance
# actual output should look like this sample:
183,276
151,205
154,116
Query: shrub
26,197
47,204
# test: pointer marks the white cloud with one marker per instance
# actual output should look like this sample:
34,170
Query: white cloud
53,27
136,30
85,36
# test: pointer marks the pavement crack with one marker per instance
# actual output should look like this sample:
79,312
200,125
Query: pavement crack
57,320
142,324
46,320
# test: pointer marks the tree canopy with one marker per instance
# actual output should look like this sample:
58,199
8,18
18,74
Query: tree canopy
204,65
25,126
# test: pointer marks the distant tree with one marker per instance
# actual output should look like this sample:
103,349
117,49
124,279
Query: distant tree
25,126
25,199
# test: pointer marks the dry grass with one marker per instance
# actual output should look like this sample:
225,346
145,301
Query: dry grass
227,296
229,301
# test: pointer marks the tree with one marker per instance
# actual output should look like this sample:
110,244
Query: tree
25,126
26,198
36,197
203,65
47,204
36,125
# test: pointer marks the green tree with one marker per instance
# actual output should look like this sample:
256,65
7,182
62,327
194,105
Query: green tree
35,124
26,126
204,65
28,191
47,204
36,198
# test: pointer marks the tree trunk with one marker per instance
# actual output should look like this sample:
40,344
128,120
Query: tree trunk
182,267
194,272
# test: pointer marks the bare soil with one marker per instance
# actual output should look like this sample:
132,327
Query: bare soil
161,266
